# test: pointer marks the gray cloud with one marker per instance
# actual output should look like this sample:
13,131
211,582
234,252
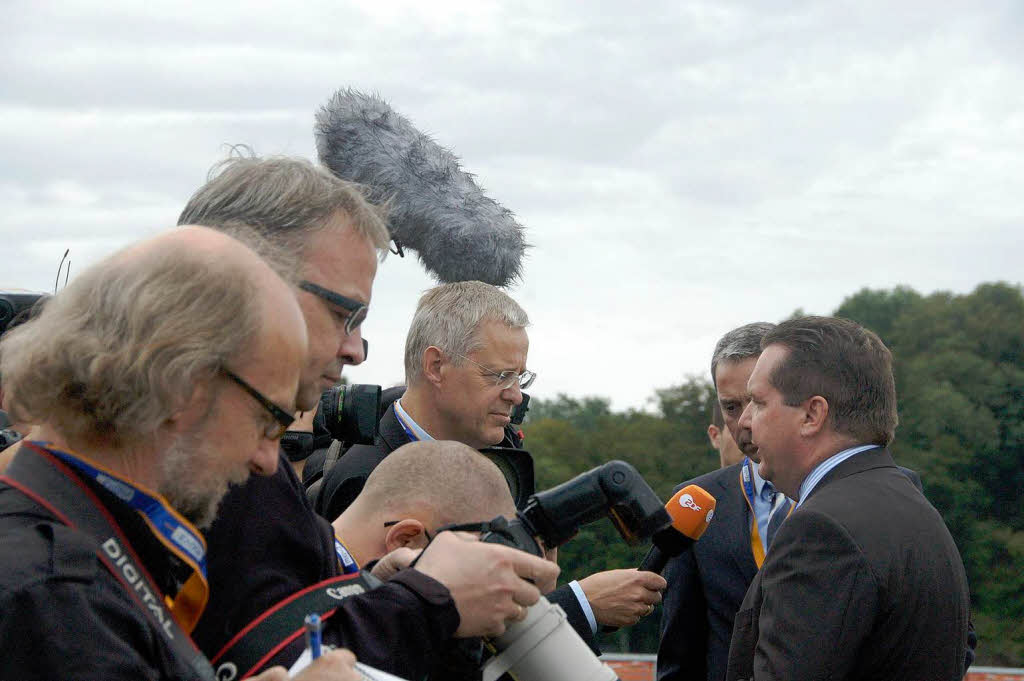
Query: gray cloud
681,168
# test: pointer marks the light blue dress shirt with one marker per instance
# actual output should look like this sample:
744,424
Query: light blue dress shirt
822,469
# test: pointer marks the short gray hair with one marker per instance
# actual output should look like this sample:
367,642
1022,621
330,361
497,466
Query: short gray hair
286,200
448,317
739,344
124,345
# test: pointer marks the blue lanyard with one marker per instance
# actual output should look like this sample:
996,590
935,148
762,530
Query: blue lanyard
175,530
348,563
748,481
405,427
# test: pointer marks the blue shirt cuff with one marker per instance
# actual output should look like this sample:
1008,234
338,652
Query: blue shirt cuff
584,605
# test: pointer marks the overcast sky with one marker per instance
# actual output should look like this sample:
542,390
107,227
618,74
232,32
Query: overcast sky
681,168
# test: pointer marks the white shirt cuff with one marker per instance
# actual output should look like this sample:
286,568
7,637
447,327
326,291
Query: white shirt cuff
584,605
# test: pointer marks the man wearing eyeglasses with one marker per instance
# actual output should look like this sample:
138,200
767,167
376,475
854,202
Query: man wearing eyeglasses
144,412
267,545
465,365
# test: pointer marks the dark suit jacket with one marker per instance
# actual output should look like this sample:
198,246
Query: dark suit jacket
343,483
706,586
863,581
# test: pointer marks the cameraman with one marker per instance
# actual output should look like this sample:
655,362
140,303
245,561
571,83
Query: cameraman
267,544
465,365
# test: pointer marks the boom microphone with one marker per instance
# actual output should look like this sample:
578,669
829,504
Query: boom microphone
434,206
691,509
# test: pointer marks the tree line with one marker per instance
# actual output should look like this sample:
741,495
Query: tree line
959,367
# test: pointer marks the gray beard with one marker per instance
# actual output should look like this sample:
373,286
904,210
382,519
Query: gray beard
186,482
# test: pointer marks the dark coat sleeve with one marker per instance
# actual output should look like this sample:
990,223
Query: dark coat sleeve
401,627
566,598
683,646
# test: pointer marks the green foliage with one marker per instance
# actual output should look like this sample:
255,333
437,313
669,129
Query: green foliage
959,365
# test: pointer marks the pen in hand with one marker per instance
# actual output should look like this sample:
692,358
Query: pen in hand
314,633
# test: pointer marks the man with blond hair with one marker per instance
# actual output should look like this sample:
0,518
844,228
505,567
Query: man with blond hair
267,545
157,378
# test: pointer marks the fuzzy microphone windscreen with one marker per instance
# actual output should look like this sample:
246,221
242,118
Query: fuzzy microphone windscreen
434,207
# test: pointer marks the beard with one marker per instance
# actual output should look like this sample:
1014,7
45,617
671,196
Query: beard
193,483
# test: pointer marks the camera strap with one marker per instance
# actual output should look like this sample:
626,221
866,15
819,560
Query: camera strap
279,626
44,478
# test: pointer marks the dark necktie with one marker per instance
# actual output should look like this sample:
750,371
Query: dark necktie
778,516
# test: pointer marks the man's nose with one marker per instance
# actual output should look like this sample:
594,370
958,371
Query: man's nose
352,349
266,458
513,394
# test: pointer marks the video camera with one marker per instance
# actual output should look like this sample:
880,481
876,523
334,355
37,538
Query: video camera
544,645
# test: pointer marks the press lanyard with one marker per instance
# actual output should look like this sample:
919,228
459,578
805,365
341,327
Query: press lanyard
39,474
173,531
405,426
348,564
747,483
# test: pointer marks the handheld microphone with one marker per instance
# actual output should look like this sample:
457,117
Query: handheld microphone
691,510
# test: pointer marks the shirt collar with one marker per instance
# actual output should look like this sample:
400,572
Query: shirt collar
412,428
822,469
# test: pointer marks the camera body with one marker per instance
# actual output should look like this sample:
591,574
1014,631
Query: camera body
15,306
544,646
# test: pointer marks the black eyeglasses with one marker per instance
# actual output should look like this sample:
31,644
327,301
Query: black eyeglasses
356,310
282,418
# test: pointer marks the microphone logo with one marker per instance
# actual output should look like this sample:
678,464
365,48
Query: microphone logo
686,501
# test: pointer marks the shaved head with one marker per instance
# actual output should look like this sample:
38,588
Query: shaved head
423,486
452,482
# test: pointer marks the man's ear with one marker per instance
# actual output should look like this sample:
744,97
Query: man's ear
409,532
433,360
192,410
713,434
815,416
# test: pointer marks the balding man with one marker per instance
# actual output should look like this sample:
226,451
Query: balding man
156,379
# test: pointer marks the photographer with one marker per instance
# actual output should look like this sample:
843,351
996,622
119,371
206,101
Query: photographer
130,375
267,545
465,364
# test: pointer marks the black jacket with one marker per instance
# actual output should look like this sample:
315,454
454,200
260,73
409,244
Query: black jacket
863,581
63,615
267,543
343,483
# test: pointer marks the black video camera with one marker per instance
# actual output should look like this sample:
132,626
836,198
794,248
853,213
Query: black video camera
347,413
552,517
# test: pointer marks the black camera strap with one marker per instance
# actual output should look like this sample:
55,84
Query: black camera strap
50,484
279,626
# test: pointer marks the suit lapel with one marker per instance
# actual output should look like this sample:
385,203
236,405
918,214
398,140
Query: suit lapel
391,431
731,507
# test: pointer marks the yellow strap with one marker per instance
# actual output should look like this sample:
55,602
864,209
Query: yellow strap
755,543
756,547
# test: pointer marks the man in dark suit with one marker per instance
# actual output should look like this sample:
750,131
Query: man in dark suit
706,584
465,365
863,581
